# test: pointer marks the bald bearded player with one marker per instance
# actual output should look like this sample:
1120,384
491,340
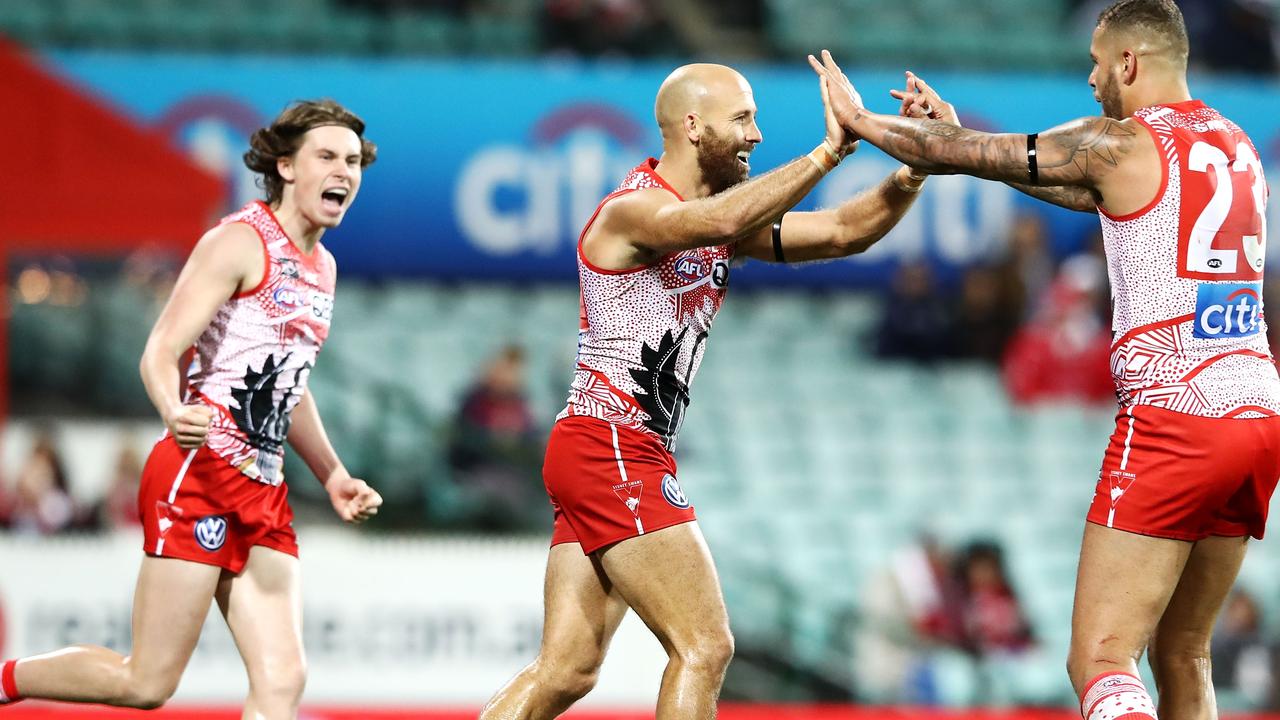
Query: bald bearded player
654,264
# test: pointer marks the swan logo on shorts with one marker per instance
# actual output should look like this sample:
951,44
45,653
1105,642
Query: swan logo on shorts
1120,483
673,493
1226,310
211,532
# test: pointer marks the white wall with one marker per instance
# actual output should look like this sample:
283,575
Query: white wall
386,620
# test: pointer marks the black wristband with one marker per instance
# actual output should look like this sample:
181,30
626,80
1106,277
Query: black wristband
1033,169
777,242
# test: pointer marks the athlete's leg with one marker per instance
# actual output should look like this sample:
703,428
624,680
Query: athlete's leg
263,608
169,607
1179,652
1124,583
668,578
581,613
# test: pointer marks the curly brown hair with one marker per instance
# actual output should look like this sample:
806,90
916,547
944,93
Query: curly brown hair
284,136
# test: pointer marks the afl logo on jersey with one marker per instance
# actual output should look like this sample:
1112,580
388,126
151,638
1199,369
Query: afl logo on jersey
672,492
691,268
287,298
1225,310
211,532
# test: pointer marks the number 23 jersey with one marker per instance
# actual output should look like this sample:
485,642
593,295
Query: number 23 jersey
1186,274
642,331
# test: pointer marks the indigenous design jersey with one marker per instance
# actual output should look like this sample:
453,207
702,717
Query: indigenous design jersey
1186,274
642,331
252,362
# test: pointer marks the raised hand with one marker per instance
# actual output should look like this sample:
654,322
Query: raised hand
842,98
190,425
353,499
921,101
844,142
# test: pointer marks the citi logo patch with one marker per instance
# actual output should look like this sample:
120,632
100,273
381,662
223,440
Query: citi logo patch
211,532
1228,310
672,492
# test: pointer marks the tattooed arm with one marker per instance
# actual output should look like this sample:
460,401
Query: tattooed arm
1080,153
1077,154
1070,197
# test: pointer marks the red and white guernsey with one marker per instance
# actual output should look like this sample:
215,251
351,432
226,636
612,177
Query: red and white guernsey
252,363
643,331
1186,274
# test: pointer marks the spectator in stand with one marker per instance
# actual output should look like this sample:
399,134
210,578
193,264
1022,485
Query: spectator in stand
1243,660
605,27
984,320
40,502
496,449
994,623
118,508
910,616
1028,266
1063,355
916,324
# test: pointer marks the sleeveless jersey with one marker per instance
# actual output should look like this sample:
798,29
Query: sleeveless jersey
1186,274
642,331
252,363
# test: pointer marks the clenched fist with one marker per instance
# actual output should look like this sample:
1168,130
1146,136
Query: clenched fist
190,425
353,499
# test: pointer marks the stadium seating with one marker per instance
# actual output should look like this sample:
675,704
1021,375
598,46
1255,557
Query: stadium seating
929,33
888,33
812,464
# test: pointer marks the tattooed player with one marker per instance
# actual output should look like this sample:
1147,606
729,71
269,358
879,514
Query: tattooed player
1195,455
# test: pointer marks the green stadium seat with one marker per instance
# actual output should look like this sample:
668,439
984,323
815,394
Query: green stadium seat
27,22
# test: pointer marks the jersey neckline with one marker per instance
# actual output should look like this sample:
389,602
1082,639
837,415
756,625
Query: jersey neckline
311,259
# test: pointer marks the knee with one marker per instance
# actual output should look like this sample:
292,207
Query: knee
570,677
149,693
284,680
1185,654
1093,655
709,652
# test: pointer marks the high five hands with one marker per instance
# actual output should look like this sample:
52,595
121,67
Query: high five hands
918,99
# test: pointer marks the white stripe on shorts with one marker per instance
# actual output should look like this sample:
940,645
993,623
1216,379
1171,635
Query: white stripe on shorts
173,492
622,469
1124,459
1124,462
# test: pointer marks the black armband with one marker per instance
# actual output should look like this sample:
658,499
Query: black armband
777,242
1033,169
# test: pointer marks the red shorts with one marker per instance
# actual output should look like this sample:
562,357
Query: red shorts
195,506
1184,477
609,483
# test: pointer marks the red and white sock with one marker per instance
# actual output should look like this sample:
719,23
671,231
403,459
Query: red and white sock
8,686
1117,696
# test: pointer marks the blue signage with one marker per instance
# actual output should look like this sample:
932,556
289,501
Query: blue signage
489,170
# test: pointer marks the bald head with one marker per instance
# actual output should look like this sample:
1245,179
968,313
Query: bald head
701,89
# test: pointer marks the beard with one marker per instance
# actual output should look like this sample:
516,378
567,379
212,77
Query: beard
1109,95
718,161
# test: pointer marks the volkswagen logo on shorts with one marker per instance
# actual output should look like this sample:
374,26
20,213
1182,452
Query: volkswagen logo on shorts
211,532
672,492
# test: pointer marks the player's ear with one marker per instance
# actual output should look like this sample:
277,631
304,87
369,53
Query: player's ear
284,166
693,127
1129,73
